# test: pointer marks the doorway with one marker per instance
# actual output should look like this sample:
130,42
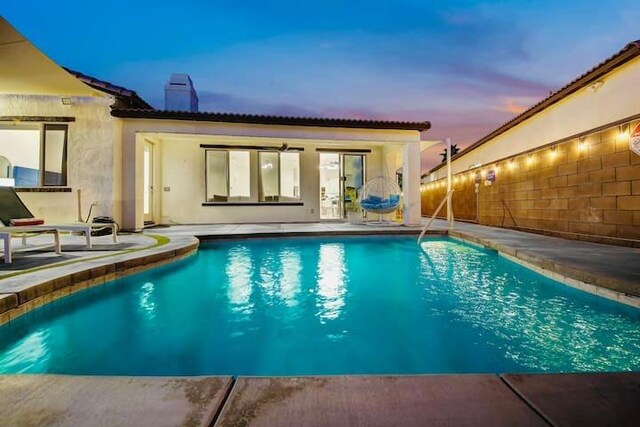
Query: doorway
341,177
148,183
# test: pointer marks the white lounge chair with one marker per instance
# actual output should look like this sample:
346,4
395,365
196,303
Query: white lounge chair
12,208
5,236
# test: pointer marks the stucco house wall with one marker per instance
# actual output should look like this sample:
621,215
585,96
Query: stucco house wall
92,157
180,174
183,172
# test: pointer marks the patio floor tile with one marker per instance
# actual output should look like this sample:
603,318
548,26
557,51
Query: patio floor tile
375,401
54,400
608,399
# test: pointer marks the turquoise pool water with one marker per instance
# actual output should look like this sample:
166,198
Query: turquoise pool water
360,305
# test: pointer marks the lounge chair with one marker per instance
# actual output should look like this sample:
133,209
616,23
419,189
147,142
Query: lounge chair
13,212
8,248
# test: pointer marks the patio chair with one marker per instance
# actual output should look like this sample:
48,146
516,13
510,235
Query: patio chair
5,237
17,218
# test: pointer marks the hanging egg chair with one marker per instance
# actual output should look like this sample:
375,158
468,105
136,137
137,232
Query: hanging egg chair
380,195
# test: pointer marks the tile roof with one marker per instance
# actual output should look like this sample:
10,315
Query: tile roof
629,52
125,97
267,119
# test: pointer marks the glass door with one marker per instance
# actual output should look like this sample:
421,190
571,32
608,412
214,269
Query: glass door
341,176
148,183
352,181
330,188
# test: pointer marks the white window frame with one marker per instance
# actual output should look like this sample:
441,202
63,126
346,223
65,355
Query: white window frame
42,129
281,199
230,199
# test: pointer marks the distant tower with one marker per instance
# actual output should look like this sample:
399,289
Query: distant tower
179,94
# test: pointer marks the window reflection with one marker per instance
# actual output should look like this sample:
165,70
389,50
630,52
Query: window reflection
331,281
147,303
32,350
239,267
290,284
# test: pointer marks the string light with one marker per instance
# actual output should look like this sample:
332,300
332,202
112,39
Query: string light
582,144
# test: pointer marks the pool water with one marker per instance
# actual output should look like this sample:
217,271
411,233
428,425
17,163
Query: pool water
358,305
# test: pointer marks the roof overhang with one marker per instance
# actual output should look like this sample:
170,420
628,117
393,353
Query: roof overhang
268,120
26,70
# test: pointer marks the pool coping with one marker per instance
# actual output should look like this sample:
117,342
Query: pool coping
26,292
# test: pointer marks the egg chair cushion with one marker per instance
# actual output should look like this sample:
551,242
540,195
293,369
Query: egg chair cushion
373,199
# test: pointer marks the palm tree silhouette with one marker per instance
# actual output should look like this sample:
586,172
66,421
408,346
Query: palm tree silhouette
454,151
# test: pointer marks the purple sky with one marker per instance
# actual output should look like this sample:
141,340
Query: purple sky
466,66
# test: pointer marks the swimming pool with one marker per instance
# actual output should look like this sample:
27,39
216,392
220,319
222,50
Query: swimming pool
343,305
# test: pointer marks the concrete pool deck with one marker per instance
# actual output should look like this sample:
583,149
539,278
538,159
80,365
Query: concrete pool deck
427,400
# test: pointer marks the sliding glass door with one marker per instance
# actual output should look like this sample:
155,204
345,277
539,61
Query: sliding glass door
341,177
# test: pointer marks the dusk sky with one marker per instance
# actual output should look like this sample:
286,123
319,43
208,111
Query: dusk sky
466,66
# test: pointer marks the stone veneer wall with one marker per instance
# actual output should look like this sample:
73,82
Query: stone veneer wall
586,186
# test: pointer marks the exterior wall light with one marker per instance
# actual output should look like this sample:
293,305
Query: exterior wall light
553,153
66,101
511,164
530,159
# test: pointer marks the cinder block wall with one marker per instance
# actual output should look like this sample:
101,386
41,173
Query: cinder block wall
587,186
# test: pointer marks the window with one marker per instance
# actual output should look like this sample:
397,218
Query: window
33,156
290,175
279,176
228,175
55,155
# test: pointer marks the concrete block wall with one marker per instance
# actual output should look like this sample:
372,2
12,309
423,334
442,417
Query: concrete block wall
583,186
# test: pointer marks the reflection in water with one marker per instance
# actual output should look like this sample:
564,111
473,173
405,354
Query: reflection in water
239,269
290,282
31,350
536,329
147,303
331,281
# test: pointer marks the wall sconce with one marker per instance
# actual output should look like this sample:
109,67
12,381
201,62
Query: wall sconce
66,101
553,153
511,164
530,159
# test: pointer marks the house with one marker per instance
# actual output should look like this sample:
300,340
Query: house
61,130
566,166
